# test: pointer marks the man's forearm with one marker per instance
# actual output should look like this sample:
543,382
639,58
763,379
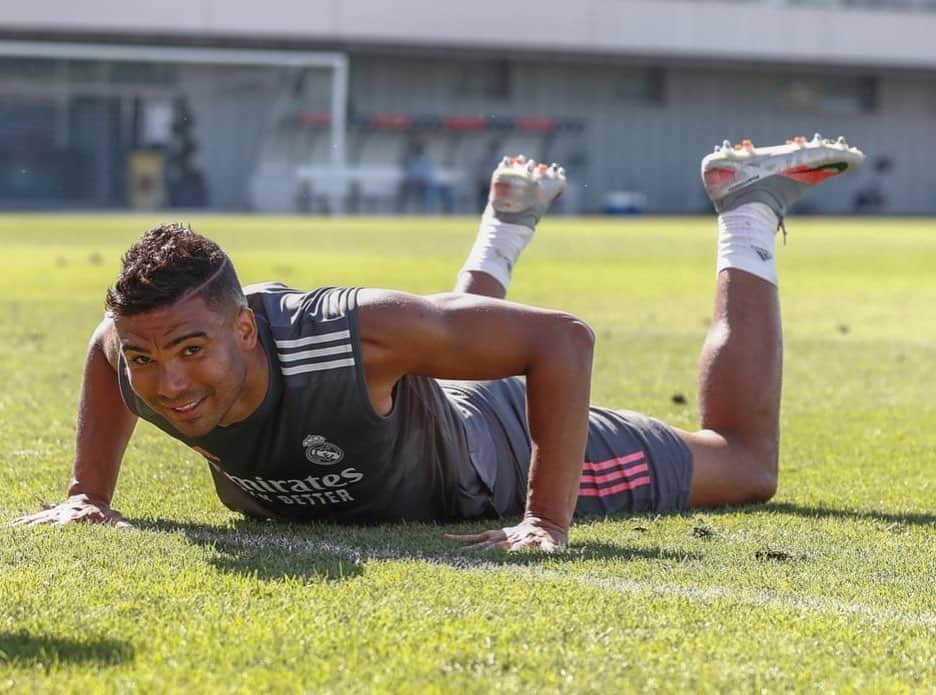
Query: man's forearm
103,430
558,388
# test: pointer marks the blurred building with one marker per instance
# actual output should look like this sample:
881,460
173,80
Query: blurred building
311,106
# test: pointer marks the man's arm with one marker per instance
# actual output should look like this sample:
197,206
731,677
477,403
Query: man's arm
104,428
460,336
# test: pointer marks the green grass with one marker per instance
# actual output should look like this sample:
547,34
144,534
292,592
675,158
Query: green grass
828,587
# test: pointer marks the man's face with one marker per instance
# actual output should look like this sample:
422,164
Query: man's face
189,363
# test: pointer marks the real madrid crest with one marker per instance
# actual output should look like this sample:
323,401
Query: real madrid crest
322,452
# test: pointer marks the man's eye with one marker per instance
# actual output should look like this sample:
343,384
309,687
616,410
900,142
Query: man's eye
140,360
192,349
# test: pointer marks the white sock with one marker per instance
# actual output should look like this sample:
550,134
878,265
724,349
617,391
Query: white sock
497,247
746,240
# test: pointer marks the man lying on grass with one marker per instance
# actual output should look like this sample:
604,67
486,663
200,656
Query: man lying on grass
365,405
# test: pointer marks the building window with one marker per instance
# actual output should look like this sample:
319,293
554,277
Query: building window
29,69
868,94
489,79
143,73
641,85
833,94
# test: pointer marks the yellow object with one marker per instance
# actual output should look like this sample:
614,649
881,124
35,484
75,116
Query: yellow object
147,188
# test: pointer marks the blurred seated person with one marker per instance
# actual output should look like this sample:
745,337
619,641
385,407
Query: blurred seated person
420,181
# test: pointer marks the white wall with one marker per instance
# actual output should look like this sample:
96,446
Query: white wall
748,31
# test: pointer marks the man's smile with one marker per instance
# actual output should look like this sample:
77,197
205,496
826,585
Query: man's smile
187,410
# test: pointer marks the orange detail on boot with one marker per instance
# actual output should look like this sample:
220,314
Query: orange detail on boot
719,177
807,174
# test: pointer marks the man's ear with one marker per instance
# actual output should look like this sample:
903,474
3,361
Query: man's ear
245,326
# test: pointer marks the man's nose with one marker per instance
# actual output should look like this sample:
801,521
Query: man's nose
172,382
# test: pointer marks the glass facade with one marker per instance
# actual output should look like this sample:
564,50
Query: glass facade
66,127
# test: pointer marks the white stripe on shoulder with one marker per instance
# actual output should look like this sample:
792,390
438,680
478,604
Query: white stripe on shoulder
318,352
313,339
318,366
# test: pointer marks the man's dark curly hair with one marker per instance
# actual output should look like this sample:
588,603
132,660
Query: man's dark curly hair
168,263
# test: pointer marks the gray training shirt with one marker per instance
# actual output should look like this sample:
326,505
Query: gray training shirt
316,449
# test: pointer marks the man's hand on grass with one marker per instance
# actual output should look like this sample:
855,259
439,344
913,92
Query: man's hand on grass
532,533
76,509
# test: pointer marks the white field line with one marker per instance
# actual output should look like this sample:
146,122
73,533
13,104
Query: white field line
747,597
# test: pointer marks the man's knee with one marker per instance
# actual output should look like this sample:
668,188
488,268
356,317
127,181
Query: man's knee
763,488
761,484
732,470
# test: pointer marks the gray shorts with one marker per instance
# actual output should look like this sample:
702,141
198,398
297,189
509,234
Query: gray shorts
633,463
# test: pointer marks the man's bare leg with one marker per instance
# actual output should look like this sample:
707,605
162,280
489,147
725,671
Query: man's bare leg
479,282
521,192
735,454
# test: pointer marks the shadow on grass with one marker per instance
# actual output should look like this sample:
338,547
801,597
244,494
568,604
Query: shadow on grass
270,550
22,648
255,549
817,512
913,518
